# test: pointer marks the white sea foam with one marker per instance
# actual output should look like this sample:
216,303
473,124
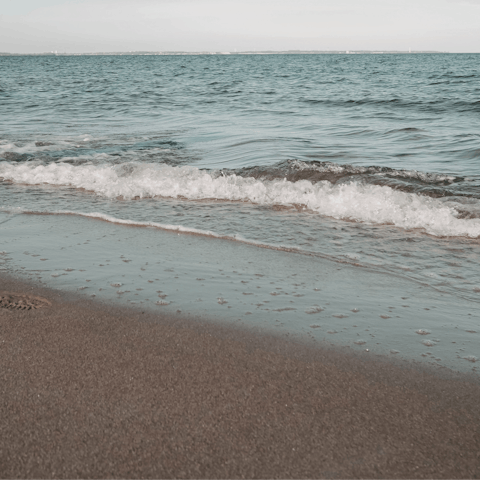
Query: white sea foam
38,146
163,226
352,201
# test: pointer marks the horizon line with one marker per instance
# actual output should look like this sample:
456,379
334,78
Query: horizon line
227,52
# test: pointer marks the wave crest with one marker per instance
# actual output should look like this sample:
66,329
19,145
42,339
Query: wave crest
348,201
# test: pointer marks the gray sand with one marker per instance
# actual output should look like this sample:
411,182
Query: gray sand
91,391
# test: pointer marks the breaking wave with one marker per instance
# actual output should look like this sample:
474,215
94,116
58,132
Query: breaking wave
351,200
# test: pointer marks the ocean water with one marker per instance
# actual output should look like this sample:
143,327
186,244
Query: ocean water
331,196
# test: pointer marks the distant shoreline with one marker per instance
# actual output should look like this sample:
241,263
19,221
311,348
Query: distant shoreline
247,52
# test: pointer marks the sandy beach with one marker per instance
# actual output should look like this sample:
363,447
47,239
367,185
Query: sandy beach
91,391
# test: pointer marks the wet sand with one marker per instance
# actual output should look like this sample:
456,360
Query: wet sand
89,390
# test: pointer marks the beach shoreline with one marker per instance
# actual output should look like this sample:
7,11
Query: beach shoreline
94,390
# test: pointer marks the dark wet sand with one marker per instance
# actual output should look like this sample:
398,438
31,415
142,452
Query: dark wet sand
91,391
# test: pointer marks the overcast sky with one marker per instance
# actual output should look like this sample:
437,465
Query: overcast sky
76,26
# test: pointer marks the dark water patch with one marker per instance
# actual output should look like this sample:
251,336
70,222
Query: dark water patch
314,171
16,157
405,130
80,151
434,106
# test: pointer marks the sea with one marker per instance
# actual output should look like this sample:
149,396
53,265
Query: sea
327,197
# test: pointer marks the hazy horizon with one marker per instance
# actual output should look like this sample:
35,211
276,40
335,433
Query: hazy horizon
225,52
87,26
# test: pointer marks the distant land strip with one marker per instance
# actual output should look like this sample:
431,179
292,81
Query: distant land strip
247,52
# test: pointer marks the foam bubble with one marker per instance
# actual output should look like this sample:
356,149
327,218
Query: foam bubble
423,331
313,310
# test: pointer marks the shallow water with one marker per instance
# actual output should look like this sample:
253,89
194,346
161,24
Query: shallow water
369,162
279,291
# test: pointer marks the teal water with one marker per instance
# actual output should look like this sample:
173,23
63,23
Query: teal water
366,161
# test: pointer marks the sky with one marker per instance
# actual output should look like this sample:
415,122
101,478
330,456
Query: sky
78,26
